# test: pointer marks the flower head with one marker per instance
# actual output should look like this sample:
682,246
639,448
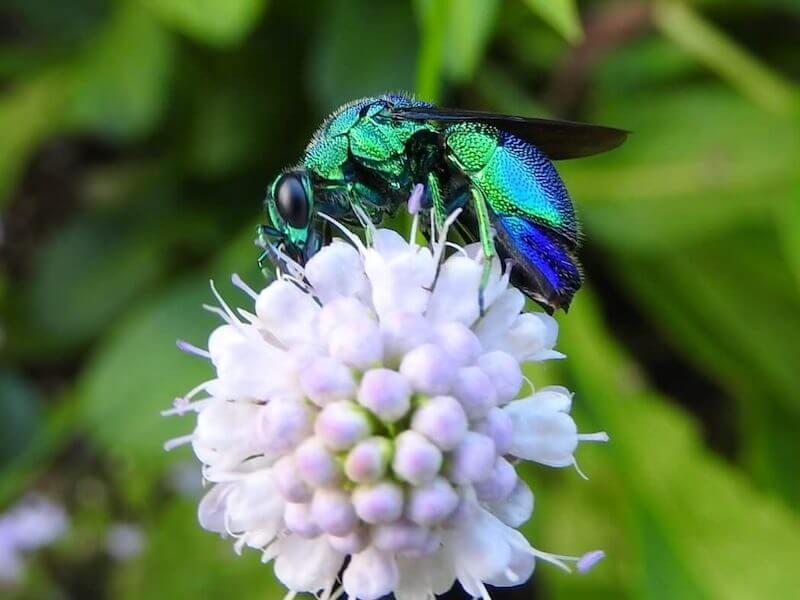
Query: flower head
367,409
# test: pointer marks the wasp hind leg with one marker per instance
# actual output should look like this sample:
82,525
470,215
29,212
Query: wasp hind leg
486,238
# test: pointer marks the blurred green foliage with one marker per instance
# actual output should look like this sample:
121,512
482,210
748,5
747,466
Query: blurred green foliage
136,139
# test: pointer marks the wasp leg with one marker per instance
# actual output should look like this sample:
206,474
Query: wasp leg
439,210
266,236
486,239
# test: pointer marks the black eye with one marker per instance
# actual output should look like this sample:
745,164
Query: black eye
292,202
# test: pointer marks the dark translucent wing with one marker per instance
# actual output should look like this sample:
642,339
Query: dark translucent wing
556,139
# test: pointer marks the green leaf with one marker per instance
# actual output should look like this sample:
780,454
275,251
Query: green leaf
20,413
469,26
137,371
716,533
431,15
211,21
121,82
201,564
98,267
561,15
376,55
29,113
698,37
700,161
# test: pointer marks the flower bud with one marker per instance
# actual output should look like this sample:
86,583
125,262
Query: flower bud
429,369
298,520
498,426
333,511
402,332
326,380
416,460
386,393
459,341
339,311
432,503
399,536
336,271
473,459
378,503
288,482
474,390
315,463
517,507
357,344
546,437
504,372
367,462
283,424
342,424
287,312
352,543
441,420
499,485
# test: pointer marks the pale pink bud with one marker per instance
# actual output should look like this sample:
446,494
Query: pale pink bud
333,511
357,344
459,341
326,380
378,503
342,424
400,536
386,393
352,543
429,369
432,503
367,462
416,460
500,483
402,332
474,389
338,311
315,463
473,460
283,424
504,372
497,424
298,520
288,482
441,420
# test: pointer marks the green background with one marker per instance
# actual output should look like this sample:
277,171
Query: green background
136,141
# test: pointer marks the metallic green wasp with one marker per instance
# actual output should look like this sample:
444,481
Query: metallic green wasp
369,155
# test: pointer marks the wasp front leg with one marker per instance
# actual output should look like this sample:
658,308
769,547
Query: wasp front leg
268,239
486,238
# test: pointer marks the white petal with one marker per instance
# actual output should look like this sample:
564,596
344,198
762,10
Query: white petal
288,313
455,296
211,511
335,271
519,569
545,436
515,510
493,326
306,565
370,575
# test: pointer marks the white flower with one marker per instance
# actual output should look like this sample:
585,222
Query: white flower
366,409
32,523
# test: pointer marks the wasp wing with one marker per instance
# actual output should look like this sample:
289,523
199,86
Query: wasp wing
558,140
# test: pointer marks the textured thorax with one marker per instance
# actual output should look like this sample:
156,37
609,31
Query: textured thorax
363,131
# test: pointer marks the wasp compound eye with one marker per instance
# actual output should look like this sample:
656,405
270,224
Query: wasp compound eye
292,202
